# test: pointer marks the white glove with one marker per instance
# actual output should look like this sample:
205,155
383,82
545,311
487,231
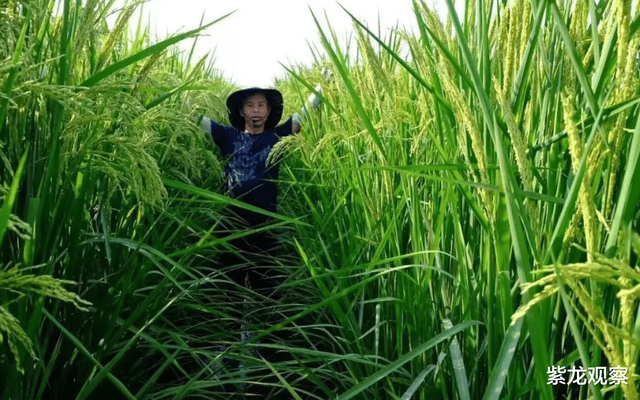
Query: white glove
312,101
205,123
327,74
296,119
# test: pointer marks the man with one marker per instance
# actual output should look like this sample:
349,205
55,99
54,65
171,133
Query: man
254,114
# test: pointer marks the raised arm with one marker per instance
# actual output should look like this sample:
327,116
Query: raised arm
312,103
214,129
205,123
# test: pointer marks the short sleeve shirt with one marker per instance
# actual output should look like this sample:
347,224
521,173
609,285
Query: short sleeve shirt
248,177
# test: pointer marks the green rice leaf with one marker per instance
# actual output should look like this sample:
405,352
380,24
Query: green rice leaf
344,73
367,382
462,383
10,198
149,51
415,385
505,356
629,197
78,345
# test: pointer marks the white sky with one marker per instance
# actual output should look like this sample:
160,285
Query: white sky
249,45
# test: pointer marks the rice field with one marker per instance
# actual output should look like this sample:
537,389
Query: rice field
460,215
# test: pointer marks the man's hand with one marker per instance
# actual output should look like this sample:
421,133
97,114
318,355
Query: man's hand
297,123
312,102
205,123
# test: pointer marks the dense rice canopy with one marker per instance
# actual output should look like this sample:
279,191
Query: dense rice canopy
461,214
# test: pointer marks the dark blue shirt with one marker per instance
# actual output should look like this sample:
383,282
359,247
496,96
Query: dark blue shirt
248,178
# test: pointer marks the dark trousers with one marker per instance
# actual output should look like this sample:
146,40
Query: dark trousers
253,263
253,266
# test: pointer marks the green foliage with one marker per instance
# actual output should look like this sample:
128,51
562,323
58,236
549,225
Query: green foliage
91,121
17,282
503,154
457,216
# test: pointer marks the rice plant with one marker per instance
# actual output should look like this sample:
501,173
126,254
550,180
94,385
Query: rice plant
98,119
489,175
460,215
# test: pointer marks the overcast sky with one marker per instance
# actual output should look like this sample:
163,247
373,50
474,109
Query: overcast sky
250,44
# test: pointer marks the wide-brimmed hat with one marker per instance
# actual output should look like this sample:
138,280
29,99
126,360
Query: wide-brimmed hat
234,104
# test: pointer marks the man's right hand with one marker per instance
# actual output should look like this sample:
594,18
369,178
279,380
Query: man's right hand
312,102
205,123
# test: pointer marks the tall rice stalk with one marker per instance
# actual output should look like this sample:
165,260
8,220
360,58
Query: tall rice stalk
491,180
460,212
98,119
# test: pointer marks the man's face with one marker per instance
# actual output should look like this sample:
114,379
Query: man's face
255,110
